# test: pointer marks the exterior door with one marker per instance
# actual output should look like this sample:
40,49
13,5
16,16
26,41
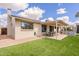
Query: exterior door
3,31
51,29
77,28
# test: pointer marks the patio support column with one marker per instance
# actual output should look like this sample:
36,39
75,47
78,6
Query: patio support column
59,29
63,30
47,28
66,29
56,29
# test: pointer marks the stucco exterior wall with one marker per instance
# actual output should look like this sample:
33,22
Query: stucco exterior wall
26,33
0,31
11,27
37,29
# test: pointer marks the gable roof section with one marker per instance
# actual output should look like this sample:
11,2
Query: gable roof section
26,19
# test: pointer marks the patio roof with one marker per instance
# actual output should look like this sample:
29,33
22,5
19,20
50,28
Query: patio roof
53,23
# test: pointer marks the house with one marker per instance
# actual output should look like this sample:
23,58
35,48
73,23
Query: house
77,27
21,28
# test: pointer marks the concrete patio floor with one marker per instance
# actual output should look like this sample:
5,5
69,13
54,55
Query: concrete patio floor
4,37
6,41
59,36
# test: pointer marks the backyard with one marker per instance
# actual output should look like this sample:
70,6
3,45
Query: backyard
69,46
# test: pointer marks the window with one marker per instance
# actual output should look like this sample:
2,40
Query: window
26,25
44,28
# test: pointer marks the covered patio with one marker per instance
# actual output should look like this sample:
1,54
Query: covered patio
55,29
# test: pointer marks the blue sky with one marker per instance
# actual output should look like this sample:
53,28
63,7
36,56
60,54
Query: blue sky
50,9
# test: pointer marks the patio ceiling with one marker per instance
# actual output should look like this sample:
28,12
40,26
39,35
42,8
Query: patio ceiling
62,23
53,23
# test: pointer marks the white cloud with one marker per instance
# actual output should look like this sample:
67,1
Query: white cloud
61,11
43,20
71,23
33,13
3,15
77,21
3,20
65,19
14,6
51,19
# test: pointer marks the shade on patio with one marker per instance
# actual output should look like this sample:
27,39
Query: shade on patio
59,23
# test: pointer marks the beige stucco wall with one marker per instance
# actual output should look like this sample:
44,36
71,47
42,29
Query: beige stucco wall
37,29
11,27
27,33
0,31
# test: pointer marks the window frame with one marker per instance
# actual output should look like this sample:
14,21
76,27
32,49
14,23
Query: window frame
29,26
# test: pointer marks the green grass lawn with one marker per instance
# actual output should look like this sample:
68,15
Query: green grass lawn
44,47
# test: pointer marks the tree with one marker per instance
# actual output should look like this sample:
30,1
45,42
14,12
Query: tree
77,14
